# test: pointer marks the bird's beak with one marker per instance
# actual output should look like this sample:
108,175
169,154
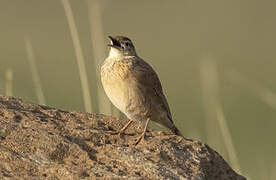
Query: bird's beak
114,43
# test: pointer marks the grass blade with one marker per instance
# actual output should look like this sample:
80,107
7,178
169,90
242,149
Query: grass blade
97,39
79,55
214,109
266,95
34,71
227,139
9,80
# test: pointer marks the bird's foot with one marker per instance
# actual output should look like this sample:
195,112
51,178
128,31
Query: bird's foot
140,139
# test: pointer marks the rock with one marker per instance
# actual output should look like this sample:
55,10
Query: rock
40,142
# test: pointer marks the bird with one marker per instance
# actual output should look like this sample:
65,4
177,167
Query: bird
134,88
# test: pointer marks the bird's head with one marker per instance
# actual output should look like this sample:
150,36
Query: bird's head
121,46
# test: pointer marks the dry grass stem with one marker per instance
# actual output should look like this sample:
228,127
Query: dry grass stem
227,139
79,55
9,79
209,91
97,39
34,71
213,107
267,96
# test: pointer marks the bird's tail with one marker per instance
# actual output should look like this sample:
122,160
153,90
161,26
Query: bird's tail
175,131
172,127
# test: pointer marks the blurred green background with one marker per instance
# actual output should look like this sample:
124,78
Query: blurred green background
206,53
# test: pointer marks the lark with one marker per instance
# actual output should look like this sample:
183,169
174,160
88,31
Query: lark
133,87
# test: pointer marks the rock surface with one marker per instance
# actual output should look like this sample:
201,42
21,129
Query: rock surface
40,142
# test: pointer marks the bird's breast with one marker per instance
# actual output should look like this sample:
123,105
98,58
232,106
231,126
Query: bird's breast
117,84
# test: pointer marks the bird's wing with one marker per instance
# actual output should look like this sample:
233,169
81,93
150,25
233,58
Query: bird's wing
148,78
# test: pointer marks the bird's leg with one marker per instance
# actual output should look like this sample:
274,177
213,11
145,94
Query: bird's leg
125,127
142,136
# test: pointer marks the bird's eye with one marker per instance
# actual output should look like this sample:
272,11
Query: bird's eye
127,44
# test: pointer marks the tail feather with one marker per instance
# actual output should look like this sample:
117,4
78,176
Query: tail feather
175,131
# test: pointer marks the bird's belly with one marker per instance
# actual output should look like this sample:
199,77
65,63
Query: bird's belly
117,92
127,97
